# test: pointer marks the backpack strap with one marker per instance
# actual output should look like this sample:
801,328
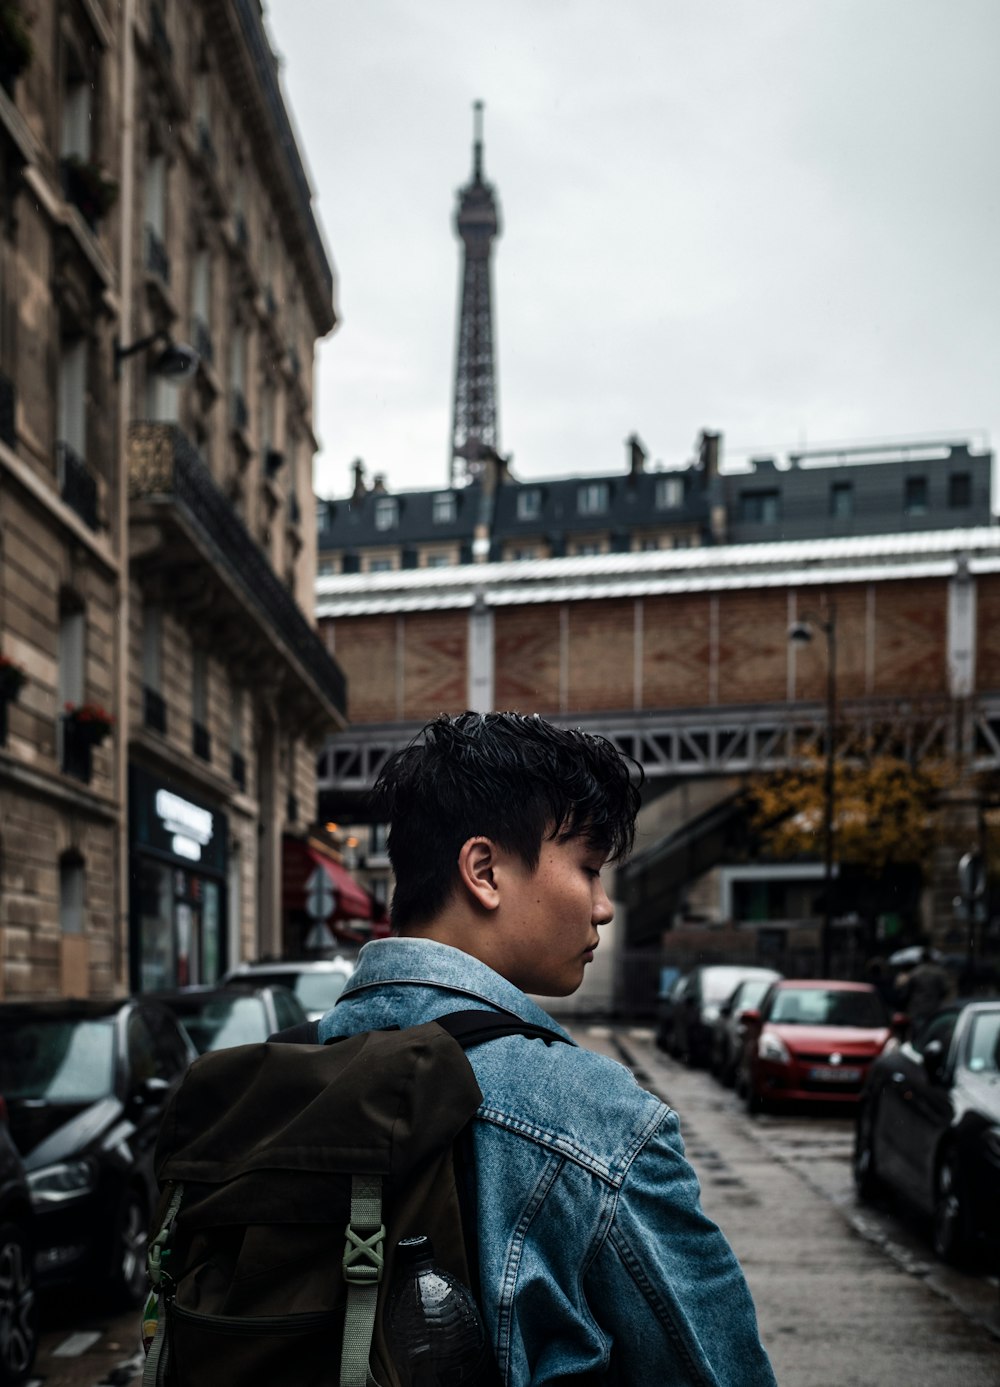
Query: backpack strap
305,1033
363,1263
472,1028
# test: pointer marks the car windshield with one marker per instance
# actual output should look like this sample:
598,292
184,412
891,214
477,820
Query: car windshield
57,1060
214,1023
984,1043
826,1006
717,983
316,991
752,992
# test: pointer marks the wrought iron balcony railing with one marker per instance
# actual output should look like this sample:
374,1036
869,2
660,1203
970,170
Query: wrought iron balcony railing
77,485
165,466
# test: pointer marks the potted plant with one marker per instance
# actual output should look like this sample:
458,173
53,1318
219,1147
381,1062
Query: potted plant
16,47
89,722
12,679
88,187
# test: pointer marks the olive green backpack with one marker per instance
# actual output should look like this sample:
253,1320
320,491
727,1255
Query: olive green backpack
288,1174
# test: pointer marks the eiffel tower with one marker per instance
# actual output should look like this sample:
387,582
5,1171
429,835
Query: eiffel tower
474,432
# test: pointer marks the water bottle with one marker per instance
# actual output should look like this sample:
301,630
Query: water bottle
432,1323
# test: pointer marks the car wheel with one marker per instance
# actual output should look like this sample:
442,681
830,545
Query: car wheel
866,1180
752,1099
950,1235
18,1311
128,1252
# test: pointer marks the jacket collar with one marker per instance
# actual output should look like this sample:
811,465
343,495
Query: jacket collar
426,963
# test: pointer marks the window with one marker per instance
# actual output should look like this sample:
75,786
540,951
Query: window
592,498
586,548
201,304
959,490
70,653
155,211
74,139
669,493
71,894
760,507
386,513
915,496
842,500
437,560
326,566
523,551
648,544
379,566
72,410
154,707
529,504
201,743
443,509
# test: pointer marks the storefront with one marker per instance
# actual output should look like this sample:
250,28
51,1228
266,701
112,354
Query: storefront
177,885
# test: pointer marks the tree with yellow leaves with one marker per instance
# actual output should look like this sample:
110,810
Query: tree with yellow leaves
882,810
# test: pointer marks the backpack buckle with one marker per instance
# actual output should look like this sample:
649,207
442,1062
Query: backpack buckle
364,1258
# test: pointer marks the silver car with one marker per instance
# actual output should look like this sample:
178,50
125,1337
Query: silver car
317,984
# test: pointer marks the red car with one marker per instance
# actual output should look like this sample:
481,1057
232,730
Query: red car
811,1040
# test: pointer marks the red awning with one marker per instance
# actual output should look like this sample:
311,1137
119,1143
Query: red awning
353,901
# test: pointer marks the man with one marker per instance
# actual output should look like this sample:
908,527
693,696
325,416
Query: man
925,989
596,1261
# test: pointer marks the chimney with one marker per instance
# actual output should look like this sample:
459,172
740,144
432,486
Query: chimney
636,455
708,454
378,484
358,468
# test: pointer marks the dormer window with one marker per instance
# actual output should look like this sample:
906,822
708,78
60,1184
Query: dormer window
386,513
443,508
669,493
529,504
592,498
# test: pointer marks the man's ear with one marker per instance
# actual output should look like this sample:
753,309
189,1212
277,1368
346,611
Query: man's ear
477,861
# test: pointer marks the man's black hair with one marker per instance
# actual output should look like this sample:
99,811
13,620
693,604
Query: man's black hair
514,779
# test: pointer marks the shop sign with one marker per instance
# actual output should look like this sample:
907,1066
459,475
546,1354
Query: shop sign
189,826
172,823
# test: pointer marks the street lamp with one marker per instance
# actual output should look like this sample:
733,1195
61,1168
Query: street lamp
802,632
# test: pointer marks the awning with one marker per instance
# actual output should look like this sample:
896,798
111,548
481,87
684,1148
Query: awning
350,900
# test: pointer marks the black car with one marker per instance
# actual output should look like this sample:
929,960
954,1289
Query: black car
929,1126
85,1084
696,1006
18,1319
217,1017
729,1031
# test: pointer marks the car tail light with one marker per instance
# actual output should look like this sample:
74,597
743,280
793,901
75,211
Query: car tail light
3,1109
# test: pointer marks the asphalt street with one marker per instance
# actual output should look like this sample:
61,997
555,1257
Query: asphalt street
846,1296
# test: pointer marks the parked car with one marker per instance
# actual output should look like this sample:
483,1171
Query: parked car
929,1126
317,984
696,1007
666,1003
729,1031
811,1040
18,1314
85,1084
217,1017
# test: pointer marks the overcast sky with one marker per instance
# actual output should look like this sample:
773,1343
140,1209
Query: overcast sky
775,218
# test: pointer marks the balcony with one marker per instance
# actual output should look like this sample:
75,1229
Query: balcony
188,540
77,485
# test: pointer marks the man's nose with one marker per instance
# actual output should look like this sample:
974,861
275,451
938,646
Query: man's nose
603,912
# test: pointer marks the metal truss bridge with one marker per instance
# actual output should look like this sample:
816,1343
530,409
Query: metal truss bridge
718,741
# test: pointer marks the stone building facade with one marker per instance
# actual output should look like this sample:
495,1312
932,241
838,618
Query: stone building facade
162,283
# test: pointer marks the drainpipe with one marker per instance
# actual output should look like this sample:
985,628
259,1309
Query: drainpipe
120,941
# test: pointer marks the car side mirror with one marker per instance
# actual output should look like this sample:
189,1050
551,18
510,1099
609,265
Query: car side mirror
900,1025
751,1018
725,1009
151,1092
933,1057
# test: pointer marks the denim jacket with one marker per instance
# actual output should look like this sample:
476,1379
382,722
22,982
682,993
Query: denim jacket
596,1260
